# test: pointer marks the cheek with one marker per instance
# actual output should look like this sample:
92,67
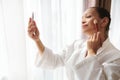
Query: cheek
92,26
90,23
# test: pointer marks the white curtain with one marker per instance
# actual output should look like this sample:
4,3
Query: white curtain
59,25
3,48
12,41
115,23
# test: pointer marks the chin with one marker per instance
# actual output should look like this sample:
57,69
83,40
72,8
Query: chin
87,33
84,31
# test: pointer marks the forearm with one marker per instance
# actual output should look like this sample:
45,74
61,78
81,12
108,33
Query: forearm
40,46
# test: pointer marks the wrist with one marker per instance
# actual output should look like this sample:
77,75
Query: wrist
90,53
37,40
40,45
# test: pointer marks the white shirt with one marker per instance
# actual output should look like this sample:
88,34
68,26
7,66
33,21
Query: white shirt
105,65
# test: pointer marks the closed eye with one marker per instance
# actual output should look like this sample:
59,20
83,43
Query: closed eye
89,16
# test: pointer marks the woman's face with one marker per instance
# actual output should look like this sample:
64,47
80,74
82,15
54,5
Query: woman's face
88,18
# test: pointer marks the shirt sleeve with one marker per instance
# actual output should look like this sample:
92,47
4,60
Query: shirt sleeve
51,60
91,69
112,70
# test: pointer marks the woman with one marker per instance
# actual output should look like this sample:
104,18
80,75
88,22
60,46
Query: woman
92,59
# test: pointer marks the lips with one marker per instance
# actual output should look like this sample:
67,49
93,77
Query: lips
84,25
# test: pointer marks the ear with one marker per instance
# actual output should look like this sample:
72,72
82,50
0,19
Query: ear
104,22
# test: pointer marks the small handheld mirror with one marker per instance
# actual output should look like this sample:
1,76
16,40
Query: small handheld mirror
32,15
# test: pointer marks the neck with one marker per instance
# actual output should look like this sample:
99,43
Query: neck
103,36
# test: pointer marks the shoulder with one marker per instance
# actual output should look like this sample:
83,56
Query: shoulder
108,53
80,43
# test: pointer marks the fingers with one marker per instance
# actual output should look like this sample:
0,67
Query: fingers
94,42
32,28
31,25
98,36
96,25
33,33
95,38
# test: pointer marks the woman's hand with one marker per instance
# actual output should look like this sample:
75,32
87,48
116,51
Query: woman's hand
93,44
33,31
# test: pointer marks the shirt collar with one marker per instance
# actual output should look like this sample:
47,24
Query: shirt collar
104,46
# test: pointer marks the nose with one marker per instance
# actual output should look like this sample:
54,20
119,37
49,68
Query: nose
83,21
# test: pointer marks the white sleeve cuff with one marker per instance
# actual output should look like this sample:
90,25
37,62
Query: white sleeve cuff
41,59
